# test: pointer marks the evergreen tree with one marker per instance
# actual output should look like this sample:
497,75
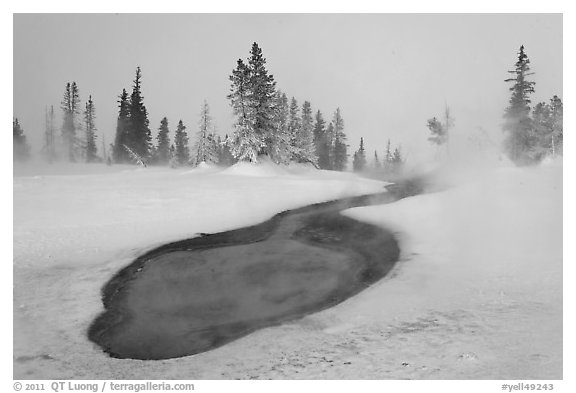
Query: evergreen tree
441,131
387,164
205,148
71,109
321,142
557,120
281,150
263,94
253,95
340,155
294,124
90,128
388,154
246,142
305,137
397,161
163,138
328,148
520,137
359,161
225,157
181,150
119,153
377,165
547,123
20,148
139,136
49,148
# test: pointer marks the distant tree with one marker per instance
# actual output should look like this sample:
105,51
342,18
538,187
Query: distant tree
520,137
441,130
547,122
49,149
139,135
397,160
20,148
294,124
281,150
119,152
557,123
205,147
329,138
321,142
305,145
163,147
377,165
90,128
340,155
70,109
359,161
181,151
388,162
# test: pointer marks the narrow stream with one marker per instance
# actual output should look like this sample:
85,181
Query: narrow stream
194,295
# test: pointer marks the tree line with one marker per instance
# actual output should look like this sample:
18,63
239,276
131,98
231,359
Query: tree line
268,125
531,133
391,163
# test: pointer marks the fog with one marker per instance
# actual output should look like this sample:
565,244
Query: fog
388,73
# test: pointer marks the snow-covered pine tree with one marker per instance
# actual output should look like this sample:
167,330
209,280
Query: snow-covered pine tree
90,128
557,121
329,138
71,109
205,146
119,152
547,123
163,147
388,155
280,149
294,124
340,155
359,162
139,136
225,157
20,148
321,142
305,137
181,150
262,89
520,136
246,143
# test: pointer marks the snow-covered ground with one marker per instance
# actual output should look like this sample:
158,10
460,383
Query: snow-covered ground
477,293
75,226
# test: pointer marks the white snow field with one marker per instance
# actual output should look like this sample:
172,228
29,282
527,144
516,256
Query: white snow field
477,293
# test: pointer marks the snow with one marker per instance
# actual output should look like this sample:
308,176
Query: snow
477,293
75,226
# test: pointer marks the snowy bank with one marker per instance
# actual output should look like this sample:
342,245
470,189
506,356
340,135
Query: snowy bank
75,226
478,293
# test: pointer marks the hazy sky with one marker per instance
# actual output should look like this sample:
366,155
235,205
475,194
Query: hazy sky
388,73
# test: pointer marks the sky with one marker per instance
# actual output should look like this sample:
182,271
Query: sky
388,73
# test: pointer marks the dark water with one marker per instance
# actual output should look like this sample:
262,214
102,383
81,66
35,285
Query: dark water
194,295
